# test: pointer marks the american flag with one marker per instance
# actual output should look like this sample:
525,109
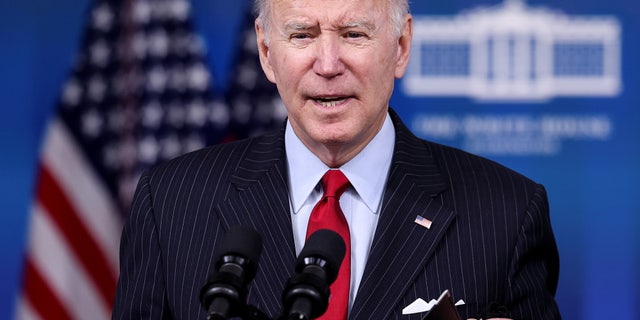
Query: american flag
423,221
138,94
257,107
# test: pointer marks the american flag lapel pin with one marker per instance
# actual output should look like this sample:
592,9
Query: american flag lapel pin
423,221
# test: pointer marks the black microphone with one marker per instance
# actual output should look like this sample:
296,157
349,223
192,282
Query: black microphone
224,294
306,295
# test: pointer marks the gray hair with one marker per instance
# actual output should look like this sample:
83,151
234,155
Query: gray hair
399,8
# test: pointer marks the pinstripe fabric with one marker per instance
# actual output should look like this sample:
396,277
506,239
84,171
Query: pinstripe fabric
490,240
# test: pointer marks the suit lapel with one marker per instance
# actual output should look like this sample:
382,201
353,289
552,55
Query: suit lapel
259,198
401,247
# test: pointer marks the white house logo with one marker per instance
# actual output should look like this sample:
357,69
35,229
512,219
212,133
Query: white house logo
512,52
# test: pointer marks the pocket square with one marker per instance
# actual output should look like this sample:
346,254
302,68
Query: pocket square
419,306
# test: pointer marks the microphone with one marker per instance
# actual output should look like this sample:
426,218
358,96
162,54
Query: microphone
306,295
224,295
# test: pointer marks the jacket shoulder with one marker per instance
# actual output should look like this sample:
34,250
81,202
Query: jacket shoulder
222,159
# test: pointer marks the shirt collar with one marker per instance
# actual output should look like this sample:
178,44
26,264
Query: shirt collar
306,170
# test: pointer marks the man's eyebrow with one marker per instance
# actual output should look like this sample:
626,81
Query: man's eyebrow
297,26
358,24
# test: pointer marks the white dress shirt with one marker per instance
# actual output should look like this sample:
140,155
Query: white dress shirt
367,173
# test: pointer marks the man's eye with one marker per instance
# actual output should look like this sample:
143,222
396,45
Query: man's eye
354,35
300,36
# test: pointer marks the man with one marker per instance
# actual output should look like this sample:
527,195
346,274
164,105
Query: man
485,233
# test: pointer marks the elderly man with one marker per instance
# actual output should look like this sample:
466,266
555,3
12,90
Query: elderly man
418,218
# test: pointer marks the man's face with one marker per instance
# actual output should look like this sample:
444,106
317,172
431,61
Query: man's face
334,63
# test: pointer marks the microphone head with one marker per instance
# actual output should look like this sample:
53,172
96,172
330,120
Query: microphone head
241,241
236,265
327,245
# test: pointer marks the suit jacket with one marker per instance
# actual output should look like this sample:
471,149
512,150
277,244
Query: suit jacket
490,241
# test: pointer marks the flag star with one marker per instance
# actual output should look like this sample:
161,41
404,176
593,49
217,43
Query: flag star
110,157
179,9
198,77
103,17
100,53
92,123
158,43
149,149
219,114
141,12
197,113
152,114
97,88
170,147
249,43
156,79
72,92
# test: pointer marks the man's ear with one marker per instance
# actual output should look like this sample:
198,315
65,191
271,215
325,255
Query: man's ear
404,46
263,51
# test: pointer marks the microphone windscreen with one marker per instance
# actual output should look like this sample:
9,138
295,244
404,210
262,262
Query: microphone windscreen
244,242
328,245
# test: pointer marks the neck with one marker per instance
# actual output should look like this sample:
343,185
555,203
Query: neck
334,156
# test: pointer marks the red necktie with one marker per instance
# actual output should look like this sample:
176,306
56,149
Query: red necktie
327,215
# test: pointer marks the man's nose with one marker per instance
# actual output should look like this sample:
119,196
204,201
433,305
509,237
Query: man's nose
328,57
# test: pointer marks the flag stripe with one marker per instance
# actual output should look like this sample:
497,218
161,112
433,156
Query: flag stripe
25,311
41,296
56,262
63,213
93,202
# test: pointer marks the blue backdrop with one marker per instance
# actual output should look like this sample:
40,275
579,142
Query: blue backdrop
572,129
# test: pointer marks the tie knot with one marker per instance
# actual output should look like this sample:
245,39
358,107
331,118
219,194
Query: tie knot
334,183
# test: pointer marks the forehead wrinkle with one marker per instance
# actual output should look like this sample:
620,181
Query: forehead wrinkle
348,20
341,21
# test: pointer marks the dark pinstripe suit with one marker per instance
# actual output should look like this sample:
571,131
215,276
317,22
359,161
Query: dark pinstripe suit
490,241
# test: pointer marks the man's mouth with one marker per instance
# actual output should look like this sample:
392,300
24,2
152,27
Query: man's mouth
329,101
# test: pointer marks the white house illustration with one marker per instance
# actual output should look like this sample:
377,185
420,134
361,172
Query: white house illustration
511,52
